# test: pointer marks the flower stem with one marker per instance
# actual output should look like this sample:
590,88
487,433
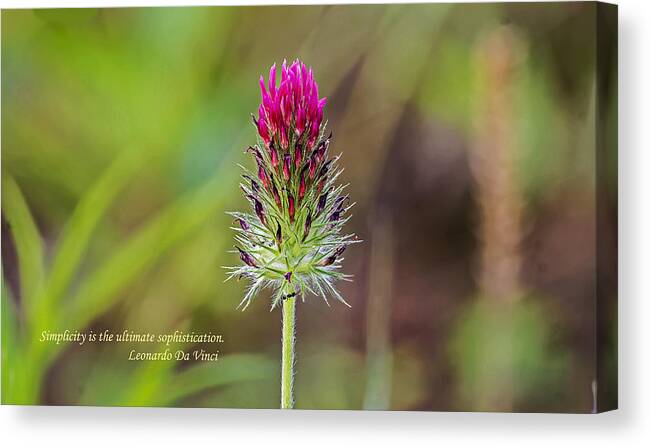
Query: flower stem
288,341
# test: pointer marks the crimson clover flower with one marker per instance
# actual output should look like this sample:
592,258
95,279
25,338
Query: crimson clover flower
291,240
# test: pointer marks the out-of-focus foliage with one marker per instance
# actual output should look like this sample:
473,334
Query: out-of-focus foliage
506,347
121,130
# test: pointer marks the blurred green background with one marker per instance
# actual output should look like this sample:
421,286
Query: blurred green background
468,138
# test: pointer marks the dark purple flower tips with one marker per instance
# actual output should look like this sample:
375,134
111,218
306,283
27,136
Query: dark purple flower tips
322,202
301,186
254,185
259,211
325,168
340,251
246,258
288,276
308,225
256,153
333,257
338,208
292,209
287,166
262,175
277,197
244,225
340,202
279,235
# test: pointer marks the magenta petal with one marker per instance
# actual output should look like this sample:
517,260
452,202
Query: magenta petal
274,156
298,156
303,71
263,90
286,166
300,121
314,131
282,106
263,131
283,138
272,81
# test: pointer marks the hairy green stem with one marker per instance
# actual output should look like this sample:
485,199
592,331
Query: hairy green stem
288,342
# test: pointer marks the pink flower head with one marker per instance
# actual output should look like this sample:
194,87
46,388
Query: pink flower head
292,111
